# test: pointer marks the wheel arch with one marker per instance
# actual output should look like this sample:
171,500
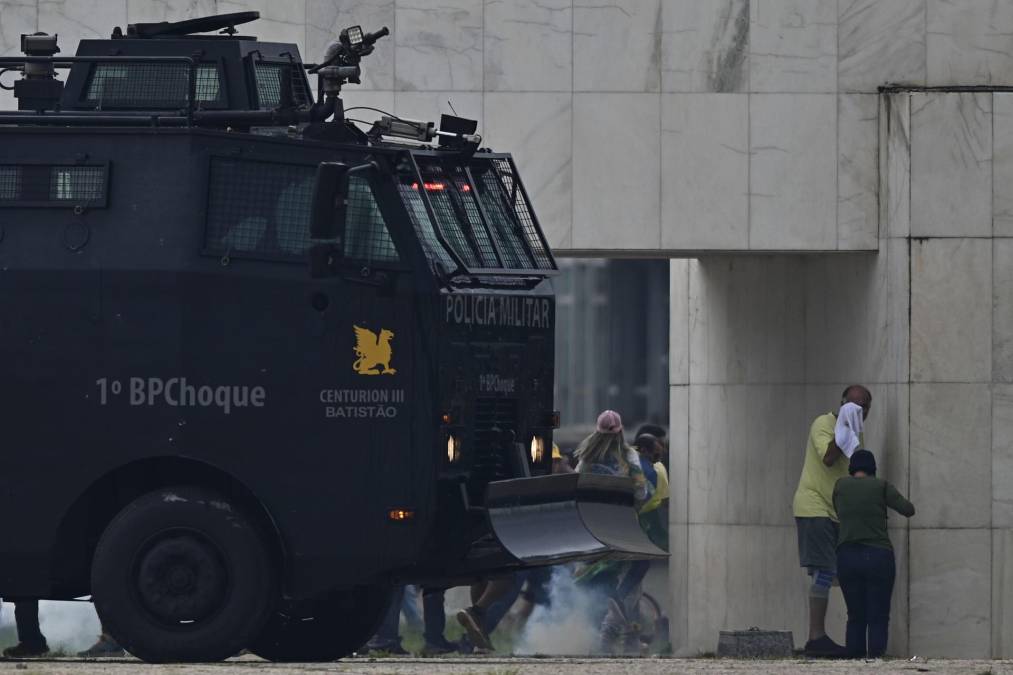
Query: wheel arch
86,518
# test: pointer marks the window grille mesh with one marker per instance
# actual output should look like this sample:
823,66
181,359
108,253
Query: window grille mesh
258,207
52,185
439,191
485,248
522,211
10,182
152,85
76,183
505,230
366,235
412,198
269,76
264,208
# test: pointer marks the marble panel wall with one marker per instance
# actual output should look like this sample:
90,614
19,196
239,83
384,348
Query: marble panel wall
969,42
704,136
528,45
793,46
793,172
772,342
599,28
617,189
951,164
879,43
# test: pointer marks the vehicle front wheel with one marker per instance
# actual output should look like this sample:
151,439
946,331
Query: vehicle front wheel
183,575
342,622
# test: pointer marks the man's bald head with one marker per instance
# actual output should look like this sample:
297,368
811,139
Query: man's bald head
858,395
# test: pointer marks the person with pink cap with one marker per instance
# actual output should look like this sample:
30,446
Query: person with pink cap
606,452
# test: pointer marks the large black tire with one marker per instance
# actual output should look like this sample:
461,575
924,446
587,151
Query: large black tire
180,574
341,623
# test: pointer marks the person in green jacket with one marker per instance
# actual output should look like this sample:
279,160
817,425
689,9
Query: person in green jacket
865,563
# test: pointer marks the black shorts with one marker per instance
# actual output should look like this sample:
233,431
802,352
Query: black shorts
817,543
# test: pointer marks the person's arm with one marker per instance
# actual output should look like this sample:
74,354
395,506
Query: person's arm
896,501
825,439
832,453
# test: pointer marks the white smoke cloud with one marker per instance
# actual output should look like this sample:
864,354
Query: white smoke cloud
68,626
565,627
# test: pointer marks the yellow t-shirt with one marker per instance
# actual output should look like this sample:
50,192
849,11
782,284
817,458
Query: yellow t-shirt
814,497
660,491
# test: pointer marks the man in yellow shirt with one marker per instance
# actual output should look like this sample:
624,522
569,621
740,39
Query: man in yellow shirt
816,519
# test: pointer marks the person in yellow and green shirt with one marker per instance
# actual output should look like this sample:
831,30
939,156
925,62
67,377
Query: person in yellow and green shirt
816,519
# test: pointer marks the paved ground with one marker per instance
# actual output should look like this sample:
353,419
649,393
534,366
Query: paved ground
514,666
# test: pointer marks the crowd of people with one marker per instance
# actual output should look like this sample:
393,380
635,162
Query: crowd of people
613,586
840,509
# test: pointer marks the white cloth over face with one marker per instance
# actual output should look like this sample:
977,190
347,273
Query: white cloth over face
848,428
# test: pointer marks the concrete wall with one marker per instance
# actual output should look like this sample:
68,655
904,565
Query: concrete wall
767,343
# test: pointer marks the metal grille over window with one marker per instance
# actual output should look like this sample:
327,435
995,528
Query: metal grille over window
10,182
208,85
485,248
269,77
366,235
450,214
152,85
52,185
505,229
522,210
76,183
259,208
412,198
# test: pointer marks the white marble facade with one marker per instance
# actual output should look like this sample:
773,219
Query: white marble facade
926,323
775,84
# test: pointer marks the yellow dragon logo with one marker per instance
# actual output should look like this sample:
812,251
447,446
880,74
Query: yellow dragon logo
373,351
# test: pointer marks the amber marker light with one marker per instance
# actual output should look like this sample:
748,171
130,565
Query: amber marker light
446,418
400,515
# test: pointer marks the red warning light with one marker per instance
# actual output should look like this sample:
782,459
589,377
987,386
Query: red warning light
431,187
465,188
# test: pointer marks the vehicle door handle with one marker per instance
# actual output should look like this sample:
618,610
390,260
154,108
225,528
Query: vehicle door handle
367,276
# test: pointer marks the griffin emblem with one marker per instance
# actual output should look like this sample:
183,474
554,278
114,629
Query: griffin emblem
373,351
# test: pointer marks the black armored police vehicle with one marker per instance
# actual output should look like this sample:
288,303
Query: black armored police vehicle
261,361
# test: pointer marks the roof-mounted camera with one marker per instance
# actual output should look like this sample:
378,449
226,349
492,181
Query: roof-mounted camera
341,58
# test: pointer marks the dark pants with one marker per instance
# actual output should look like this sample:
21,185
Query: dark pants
866,574
26,615
388,633
433,615
634,575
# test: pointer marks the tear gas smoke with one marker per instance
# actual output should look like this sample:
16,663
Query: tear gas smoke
68,626
566,627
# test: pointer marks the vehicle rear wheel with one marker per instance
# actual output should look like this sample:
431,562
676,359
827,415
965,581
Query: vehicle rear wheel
180,575
342,622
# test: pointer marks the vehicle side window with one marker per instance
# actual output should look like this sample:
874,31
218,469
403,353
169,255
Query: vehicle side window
269,78
152,85
366,235
53,185
261,209
10,182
